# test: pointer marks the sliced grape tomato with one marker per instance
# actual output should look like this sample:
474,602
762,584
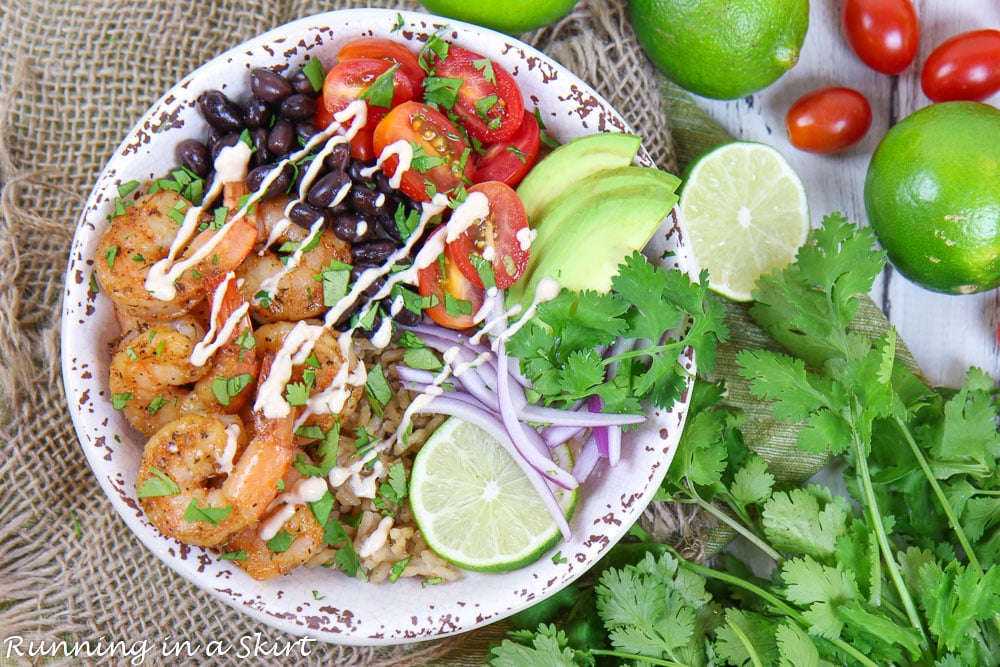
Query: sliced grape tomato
489,104
456,299
386,49
364,78
441,158
502,238
509,161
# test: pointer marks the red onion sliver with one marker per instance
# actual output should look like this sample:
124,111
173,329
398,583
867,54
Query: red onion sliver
587,460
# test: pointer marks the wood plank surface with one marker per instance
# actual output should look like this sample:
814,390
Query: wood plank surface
946,333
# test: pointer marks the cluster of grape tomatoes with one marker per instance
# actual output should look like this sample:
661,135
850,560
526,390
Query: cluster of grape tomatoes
464,117
885,34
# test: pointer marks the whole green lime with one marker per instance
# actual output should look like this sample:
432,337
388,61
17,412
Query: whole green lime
721,49
932,195
509,16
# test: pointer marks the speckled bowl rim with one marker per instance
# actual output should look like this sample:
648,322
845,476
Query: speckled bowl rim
323,604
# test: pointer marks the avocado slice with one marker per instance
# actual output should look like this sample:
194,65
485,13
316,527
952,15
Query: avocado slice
590,227
571,162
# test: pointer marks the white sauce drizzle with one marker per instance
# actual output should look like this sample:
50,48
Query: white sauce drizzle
361,486
377,539
475,208
229,453
383,336
306,490
525,237
401,149
216,336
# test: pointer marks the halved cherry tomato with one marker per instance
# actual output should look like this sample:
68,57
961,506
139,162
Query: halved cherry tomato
348,80
363,146
502,237
386,49
965,67
441,156
442,280
489,104
510,160
883,33
828,120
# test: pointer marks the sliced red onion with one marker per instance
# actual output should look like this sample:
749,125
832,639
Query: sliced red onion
600,433
525,438
614,444
484,420
587,460
557,435
415,375
543,415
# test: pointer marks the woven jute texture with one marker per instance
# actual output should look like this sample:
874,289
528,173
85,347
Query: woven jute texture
74,76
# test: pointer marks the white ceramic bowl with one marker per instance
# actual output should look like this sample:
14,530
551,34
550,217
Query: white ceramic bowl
350,611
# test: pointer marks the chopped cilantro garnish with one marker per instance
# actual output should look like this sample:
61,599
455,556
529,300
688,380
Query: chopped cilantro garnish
485,65
158,485
518,153
109,256
422,358
485,104
224,388
240,555
377,387
336,278
118,401
281,542
125,189
382,90
442,91
434,46
155,405
313,69
396,571
208,514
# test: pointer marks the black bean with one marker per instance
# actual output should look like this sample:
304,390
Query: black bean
279,185
220,111
366,202
281,139
304,215
338,158
298,107
325,189
387,224
194,155
373,251
269,86
225,140
301,84
257,113
305,131
368,332
354,169
351,228
407,317
382,183
261,155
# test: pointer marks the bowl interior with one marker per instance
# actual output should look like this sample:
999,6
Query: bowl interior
322,603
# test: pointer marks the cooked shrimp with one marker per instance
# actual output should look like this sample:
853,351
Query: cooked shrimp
298,294
303,539
155,379
219,492
323,368
137,240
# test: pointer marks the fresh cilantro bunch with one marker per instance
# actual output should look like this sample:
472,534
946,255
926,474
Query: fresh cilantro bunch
625,346
905,574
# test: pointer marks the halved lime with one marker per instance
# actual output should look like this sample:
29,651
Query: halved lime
474,504
744,213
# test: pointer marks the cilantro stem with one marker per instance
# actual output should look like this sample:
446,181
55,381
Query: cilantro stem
864,475
774,601
651,351
747,644
638,658
735,525
945,505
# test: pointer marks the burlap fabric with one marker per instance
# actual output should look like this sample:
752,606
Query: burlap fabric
73,78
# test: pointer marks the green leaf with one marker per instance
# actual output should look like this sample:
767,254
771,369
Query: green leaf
752,483
956,598
701,452
549,646
377,387
441,91
822,589
281,542
212,515
313,69
795,523
381,92
158,485
422,358
747,638
795,647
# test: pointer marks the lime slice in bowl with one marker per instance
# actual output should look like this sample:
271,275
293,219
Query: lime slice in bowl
474,505
743,211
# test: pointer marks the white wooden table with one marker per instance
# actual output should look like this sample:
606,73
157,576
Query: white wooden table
946,333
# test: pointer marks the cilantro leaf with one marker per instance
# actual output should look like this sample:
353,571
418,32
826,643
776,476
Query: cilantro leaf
208,514
796,523
158,485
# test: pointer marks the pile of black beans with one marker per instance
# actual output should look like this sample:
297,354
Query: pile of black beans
278,121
